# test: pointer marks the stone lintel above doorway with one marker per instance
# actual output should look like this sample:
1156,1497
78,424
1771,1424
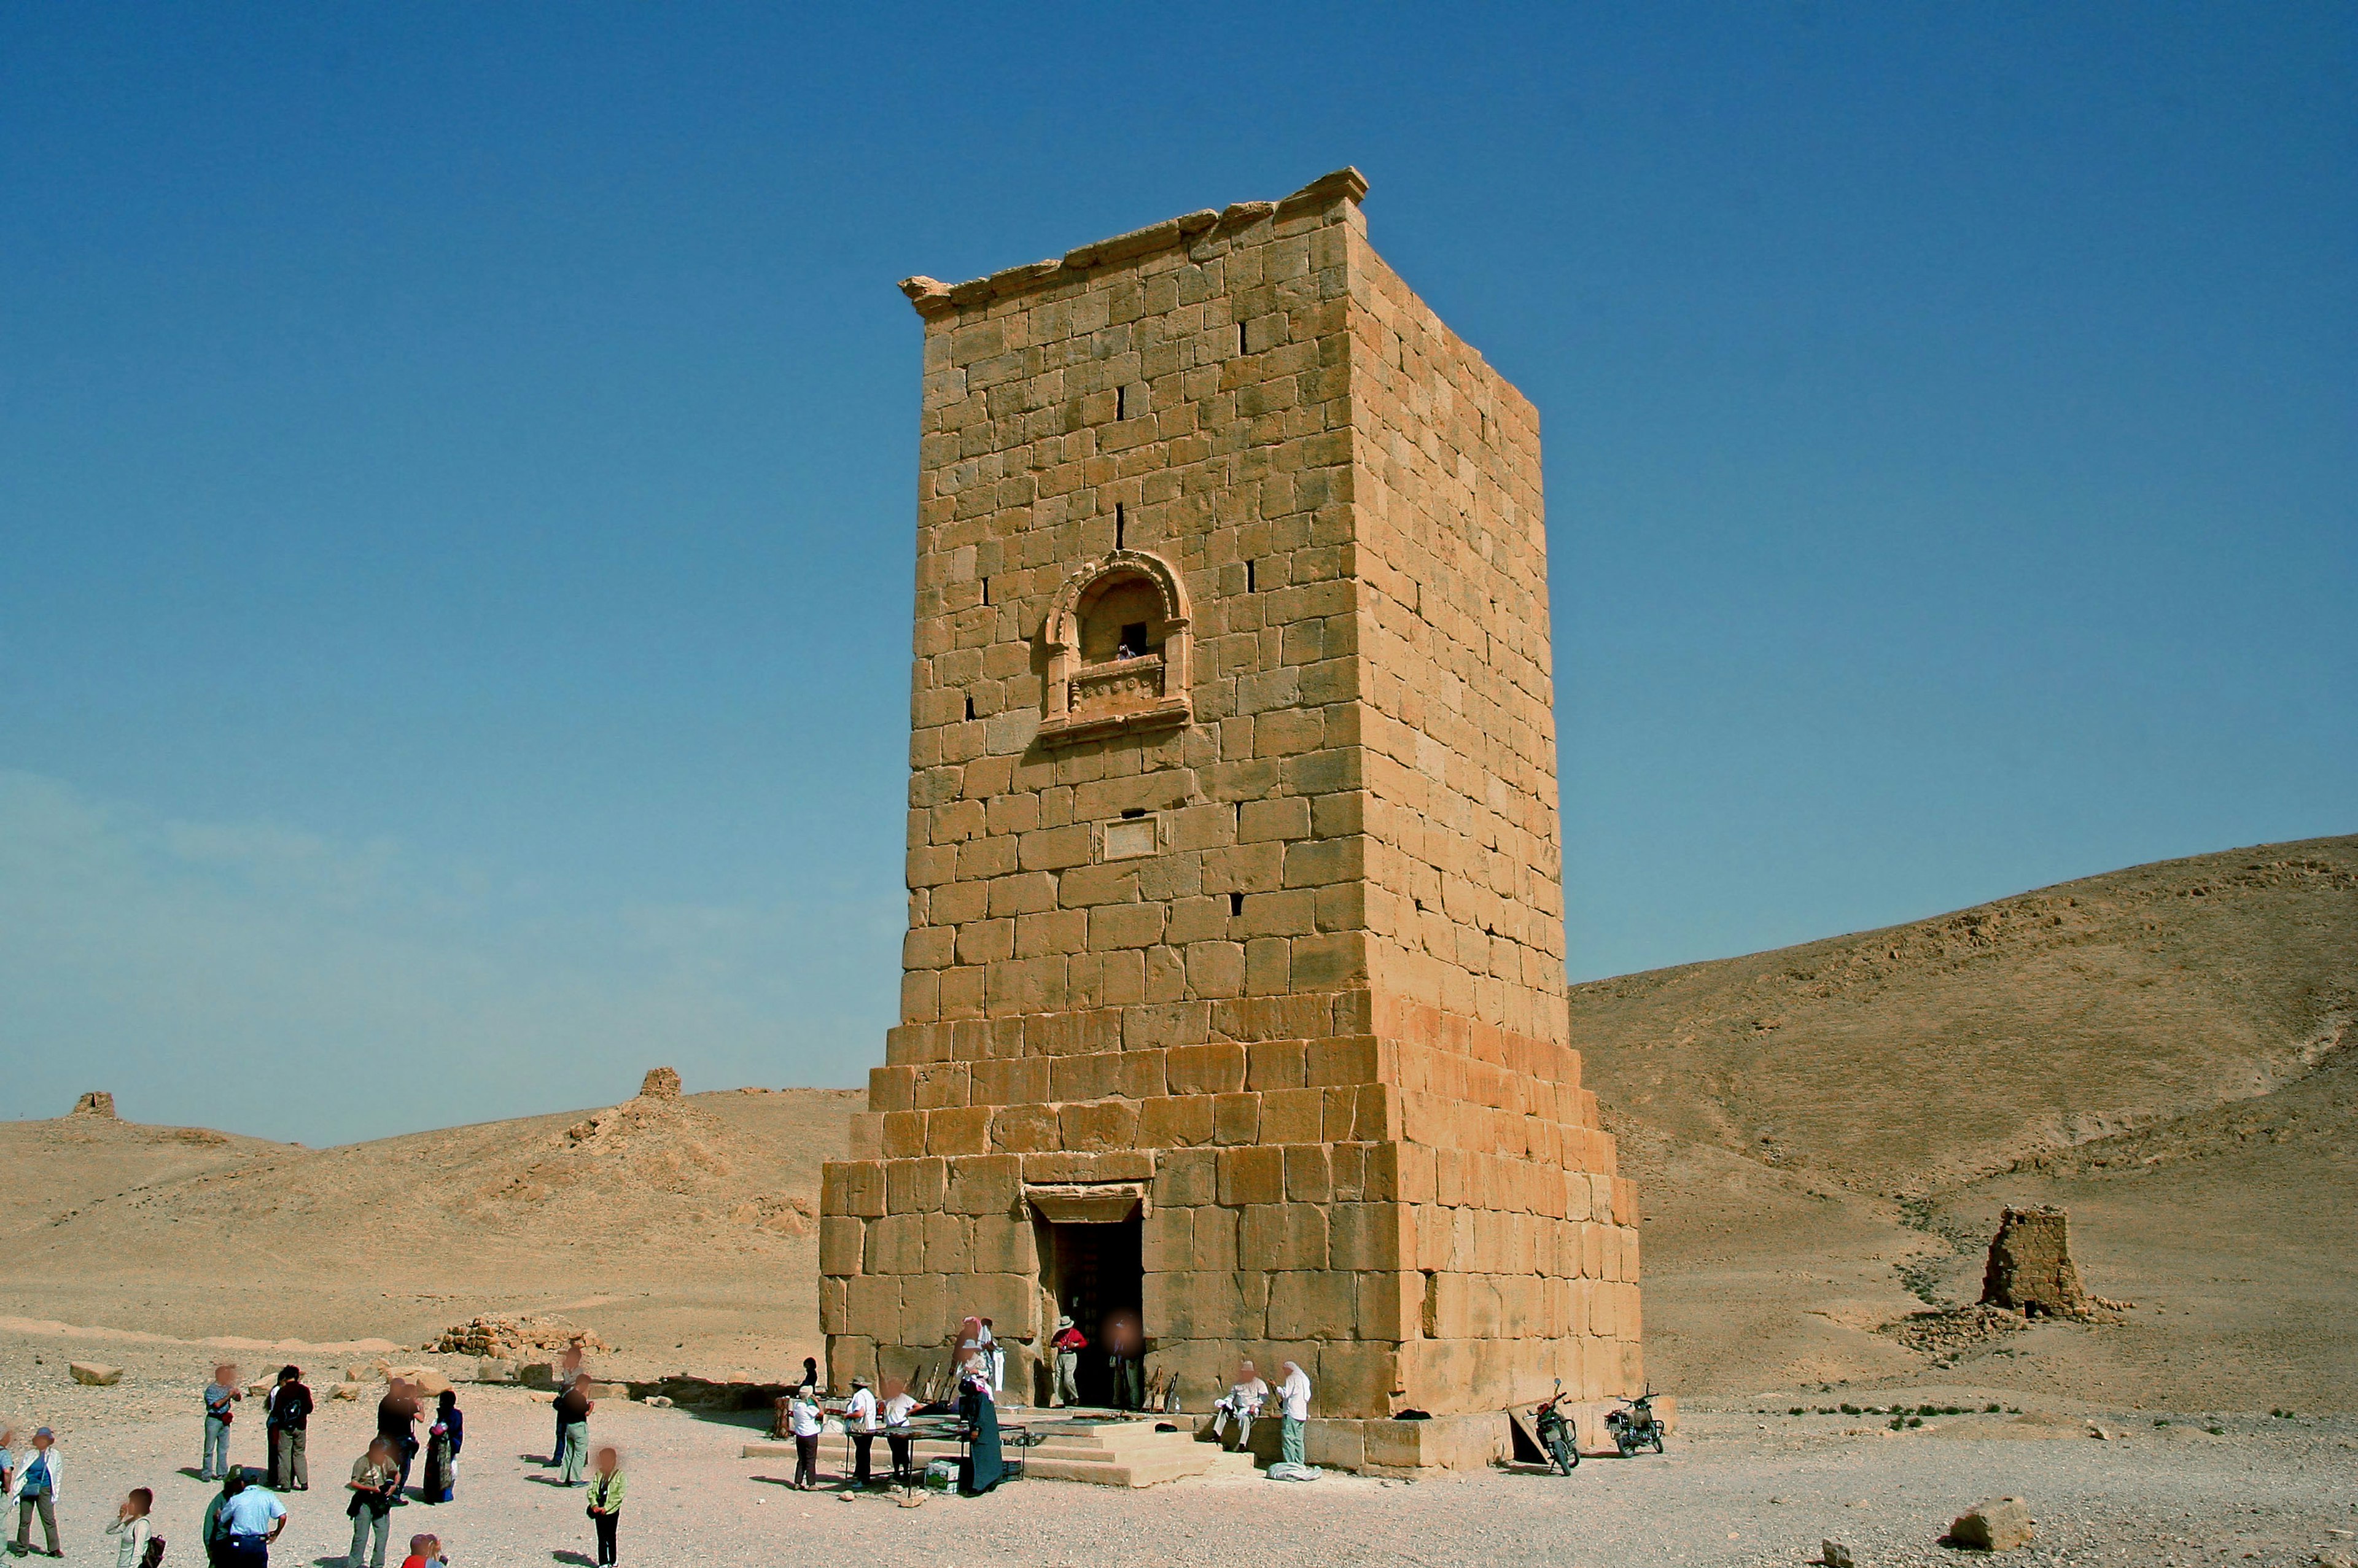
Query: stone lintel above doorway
1095,1203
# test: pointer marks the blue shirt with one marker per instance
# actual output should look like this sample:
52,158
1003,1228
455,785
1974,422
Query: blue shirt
251,1512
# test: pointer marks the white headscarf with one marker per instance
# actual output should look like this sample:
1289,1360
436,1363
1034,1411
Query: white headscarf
1294,1390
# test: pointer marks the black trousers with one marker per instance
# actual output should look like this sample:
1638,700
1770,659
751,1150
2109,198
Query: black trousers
862,1443
905,1469
806,1461
607,1525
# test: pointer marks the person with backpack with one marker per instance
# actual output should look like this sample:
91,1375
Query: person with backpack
34,1489
377,1480
606,1487
288,1420
220,1395
140,1547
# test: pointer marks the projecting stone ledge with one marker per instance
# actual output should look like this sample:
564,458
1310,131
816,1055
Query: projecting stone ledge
933,297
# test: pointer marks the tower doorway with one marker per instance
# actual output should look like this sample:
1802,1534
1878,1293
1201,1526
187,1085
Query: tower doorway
1096,1275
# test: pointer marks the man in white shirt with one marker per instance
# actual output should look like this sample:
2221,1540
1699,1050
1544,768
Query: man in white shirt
898,1405
1241,1404
1294,1409
250,1522
859,1418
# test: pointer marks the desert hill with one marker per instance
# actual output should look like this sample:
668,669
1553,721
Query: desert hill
1824,1135
659,1222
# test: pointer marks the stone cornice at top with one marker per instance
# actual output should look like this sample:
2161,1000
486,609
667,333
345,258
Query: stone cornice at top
933,297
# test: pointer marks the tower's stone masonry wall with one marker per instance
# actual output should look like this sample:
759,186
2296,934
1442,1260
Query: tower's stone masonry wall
1313,1017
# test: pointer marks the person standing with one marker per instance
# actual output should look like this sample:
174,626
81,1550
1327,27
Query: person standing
131,1524
221,1396
859,1420
985,1468
288,1417
573,1407
7,1454
568,1372
215,1534
396,1422
1068,1343
806,1421
1294,1409
376,1479
249,1520
606,1486
994,1359
899,1405
810,1383
443,1441
33,1489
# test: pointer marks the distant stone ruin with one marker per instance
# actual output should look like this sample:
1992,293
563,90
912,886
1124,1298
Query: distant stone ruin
661,1083
97,1102
2030,1269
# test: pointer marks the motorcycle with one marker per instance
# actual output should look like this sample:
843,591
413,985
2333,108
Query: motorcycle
1556,1432
1633,1426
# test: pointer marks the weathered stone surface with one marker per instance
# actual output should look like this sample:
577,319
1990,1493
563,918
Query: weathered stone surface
96,1102
94,1374
2001,1524
2030,1269
1233,846
661,1083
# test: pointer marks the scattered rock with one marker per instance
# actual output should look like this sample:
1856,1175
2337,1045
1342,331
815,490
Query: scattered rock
1834,1554
2334,1557
661,1083
91,1373
424,1381
495,1370
537,1375
97,1102
501,1338
660,1402
2100,1433
345,1390
2001,1524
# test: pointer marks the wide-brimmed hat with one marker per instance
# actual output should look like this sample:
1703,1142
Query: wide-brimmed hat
1064,1322
859,1382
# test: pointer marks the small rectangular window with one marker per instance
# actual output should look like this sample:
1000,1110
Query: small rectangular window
1121,402
1249,578
1240,339
1235,903
1133,640
1121,520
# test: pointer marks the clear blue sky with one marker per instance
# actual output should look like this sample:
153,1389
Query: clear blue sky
457,475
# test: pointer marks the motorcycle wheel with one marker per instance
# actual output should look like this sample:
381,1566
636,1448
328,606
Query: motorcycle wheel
1657,1441
1567,1458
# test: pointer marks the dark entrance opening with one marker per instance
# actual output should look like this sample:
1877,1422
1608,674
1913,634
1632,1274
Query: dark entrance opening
1095,1272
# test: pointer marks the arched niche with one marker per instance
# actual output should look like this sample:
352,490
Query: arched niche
1118,644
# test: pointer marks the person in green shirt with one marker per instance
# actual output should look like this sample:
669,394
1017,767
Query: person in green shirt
606,1501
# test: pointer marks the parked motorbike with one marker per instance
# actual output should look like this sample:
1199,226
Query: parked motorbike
1555,1432
1633,1427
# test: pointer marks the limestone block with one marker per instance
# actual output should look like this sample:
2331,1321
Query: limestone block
1106,1124
1175,1122
1110,1165
904,1134
892,1088
987,1184
1291,1116
1236,1118
914,1186
1167,1241
1003,1246
1019,1081
842,1240
1316,1304
1275,1065
1356,1378
1350,1059
875,1306
1390,1305
853,1187
963,1131
1024,1129
865,1137
895,1245
1308,1176
1372,1236
1190,1177
848,1357
949,1244
1253,1174
93,1374
1283,1236
1209,1069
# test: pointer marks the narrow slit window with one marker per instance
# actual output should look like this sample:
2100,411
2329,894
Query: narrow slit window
970,705
1121,402
1235,903
1249,578
1240,339
1120,525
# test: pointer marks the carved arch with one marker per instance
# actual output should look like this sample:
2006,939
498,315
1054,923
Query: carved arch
1092,692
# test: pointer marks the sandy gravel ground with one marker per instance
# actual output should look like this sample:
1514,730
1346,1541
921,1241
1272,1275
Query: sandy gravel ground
1738,1486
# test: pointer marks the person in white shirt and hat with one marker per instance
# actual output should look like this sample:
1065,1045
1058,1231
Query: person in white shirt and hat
1240,1404
1294,1411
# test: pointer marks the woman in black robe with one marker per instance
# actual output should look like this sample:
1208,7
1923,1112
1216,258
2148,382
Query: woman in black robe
442,1446
984,1468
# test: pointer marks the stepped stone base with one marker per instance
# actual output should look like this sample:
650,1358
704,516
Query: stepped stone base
1406,1448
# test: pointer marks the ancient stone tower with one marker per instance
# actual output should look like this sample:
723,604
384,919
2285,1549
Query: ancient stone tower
1233,989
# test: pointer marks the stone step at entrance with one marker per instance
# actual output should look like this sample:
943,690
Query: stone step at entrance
1125,1453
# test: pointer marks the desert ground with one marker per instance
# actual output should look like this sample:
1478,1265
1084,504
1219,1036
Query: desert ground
1824,1137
